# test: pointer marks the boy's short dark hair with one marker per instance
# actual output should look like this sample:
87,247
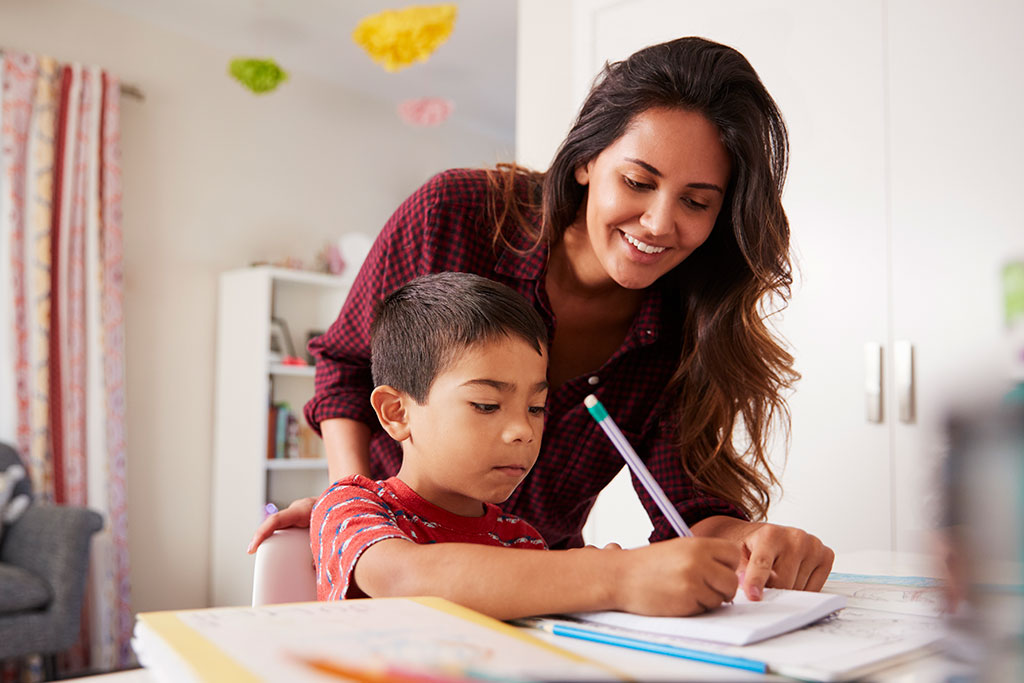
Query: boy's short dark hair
420,327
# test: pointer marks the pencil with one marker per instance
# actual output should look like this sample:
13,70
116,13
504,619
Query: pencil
606,638
598,412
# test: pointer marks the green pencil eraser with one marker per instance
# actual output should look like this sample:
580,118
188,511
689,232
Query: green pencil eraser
597,410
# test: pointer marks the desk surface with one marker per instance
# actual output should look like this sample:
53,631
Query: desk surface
652,667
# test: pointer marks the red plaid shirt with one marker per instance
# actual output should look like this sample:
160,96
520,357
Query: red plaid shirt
444,226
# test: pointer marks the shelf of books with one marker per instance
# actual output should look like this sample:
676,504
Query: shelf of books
289,438
264,452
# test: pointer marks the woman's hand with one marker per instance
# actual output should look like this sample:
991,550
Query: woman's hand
295,515
774,556
678,577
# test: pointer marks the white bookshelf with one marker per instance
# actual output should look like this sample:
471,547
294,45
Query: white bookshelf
297,464
291,370
247,381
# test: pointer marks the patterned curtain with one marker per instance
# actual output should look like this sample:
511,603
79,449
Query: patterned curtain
62,388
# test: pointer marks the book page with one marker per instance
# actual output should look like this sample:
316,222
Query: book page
275,642
899,594
846,645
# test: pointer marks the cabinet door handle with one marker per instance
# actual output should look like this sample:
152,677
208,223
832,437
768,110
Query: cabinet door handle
903,361
873,381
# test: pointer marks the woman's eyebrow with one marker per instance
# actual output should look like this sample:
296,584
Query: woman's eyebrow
653,171
644,165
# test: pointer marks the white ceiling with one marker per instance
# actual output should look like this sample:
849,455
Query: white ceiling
475,68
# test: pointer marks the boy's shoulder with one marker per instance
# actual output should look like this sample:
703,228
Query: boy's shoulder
354,487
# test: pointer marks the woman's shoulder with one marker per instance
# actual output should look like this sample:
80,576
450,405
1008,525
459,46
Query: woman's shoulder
458,185
481,186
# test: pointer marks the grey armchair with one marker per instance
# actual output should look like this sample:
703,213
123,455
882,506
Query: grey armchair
44,557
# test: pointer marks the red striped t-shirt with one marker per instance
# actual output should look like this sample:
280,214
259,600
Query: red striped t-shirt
356,512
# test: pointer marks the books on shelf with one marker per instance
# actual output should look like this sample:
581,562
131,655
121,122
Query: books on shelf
288,435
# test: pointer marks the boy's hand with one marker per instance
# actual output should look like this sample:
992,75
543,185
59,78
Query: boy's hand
774,556
678,577
295,515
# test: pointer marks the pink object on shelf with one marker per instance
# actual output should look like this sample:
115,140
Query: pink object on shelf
425,111
335,261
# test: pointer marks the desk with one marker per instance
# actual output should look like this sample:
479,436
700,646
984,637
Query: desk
646,666
933,668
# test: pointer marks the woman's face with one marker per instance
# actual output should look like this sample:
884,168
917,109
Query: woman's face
652,198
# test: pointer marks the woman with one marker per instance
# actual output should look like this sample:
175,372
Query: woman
651,247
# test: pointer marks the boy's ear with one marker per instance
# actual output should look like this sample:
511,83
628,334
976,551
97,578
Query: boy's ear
390,405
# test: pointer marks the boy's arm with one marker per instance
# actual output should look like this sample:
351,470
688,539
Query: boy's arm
673,578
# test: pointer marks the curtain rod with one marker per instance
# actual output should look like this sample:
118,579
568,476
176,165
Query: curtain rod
132,91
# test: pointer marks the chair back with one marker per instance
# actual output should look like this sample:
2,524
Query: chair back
9,456
284,569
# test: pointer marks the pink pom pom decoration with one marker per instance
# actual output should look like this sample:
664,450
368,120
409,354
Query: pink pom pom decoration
425,111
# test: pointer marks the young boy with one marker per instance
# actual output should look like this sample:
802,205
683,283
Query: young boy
459,363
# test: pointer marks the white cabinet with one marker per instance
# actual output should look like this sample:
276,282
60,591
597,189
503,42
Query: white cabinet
248,381
905,139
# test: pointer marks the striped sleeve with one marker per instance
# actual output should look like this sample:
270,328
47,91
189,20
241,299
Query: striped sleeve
346,520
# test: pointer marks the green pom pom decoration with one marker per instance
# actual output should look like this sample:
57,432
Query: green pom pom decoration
258,75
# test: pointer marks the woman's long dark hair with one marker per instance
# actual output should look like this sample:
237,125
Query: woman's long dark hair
732,370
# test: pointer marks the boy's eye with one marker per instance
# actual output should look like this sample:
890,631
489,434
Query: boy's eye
536,410
485,407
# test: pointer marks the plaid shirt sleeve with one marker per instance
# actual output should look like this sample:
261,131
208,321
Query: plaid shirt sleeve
343,378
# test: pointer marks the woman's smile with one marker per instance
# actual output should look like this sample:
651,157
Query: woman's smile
653,197
641,251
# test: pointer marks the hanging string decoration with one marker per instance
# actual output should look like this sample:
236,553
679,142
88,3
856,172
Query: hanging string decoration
425,111
258,75
396,39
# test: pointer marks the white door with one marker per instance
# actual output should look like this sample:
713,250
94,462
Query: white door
957,141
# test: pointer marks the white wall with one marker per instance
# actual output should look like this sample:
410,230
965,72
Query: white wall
214,178
545,107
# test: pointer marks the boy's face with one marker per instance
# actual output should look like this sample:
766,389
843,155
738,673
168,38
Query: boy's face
479,431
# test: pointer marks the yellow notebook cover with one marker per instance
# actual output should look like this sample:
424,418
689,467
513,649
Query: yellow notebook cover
428,636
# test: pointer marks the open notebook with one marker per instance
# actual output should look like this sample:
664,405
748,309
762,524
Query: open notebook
421,639
738,623
882,624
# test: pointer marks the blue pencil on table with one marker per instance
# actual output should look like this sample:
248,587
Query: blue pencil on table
598,636
618,439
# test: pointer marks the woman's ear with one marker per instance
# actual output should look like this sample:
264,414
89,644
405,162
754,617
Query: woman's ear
390,405
582,174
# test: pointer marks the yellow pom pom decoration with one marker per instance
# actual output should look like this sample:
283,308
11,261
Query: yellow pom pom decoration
397,38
